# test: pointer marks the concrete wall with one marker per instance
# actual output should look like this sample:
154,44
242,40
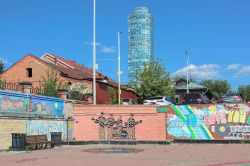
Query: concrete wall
153,126
209,122
8,126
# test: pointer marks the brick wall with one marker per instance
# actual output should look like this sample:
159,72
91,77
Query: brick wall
153,126
18,73
9,126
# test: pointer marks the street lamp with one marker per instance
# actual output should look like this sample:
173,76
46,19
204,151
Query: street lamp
119,70
94,55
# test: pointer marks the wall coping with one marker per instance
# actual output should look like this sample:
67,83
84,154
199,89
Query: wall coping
27,95
102,105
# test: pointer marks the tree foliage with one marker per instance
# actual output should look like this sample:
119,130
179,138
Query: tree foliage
51,82
50,88
1,66
217,87
112,95
154,80
244,91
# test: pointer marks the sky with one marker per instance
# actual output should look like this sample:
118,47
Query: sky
215,33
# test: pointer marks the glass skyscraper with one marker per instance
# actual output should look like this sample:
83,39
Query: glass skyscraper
140,41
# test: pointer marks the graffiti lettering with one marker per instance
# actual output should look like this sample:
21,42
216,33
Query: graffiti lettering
213,122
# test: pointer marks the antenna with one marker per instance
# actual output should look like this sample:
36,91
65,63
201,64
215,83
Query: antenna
187,71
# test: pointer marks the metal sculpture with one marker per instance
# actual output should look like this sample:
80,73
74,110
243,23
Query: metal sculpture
101,121
110,125
115,128
130,124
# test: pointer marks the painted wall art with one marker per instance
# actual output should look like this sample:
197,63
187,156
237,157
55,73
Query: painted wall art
14,102
222,121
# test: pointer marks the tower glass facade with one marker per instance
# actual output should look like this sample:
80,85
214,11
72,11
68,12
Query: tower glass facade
140,41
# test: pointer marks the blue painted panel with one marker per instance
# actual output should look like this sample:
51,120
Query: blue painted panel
45,127
15,102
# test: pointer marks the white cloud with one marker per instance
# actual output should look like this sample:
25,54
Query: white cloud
233,67
108,49
3,60
244,70
102,47
206,71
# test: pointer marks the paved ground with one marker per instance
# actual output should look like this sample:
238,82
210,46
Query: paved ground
153,155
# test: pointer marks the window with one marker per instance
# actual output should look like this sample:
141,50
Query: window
29,72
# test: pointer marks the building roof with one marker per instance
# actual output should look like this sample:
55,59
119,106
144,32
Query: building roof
181,84
71,68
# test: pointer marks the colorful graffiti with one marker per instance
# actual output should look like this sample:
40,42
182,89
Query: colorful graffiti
45,127
220,121
31,104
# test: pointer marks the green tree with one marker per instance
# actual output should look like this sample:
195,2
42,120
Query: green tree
50,88
1,66
51,82
244,91
217,87
112,95
154,80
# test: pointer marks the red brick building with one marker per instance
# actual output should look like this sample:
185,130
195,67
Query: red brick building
31,68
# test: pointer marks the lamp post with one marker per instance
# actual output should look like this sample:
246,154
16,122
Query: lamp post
187,73
119,70
94,55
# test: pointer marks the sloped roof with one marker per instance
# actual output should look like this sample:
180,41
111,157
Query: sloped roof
181,84
71,68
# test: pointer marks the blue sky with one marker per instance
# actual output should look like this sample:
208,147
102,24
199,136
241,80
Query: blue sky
216,34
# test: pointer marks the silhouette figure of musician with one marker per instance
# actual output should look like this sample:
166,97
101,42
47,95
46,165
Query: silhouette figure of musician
102,123
116,128
130,124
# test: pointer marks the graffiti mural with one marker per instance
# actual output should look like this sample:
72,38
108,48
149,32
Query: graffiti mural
15,102
222,121
45,127
47,105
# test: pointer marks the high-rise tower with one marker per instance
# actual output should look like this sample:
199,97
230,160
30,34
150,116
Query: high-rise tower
140,41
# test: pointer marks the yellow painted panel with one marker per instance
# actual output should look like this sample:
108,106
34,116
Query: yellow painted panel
8,126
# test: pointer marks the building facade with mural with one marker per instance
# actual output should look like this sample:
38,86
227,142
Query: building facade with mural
140,41
33,115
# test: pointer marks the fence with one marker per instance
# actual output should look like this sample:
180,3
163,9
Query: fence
20,88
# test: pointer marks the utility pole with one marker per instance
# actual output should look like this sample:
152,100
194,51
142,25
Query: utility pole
119,70
187,72
94,55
